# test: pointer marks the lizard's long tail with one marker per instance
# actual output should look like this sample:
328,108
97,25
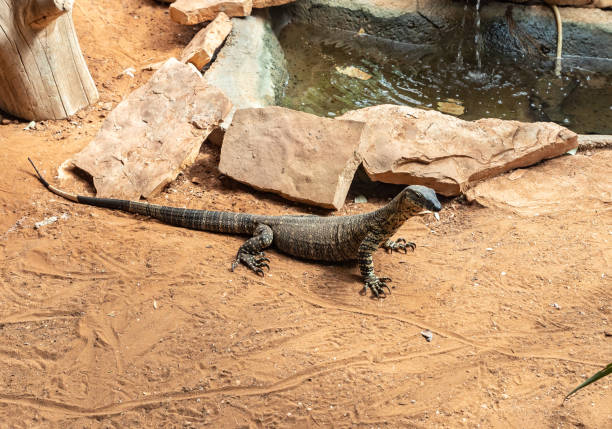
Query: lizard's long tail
206,220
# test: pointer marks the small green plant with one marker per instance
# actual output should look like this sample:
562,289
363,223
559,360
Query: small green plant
607,370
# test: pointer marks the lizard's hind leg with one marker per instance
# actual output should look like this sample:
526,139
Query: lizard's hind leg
251,252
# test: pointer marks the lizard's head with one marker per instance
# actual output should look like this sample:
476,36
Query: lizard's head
416,198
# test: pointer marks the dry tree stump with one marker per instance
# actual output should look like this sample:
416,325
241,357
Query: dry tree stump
43,74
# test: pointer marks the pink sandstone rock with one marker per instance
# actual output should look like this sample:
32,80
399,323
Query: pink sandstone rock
577,183
202,47
154,133
300,156
404,145
190,12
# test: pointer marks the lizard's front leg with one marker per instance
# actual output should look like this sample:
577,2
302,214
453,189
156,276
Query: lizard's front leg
398,245
251,252
368,246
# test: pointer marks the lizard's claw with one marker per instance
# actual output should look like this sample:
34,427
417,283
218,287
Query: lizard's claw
254,262
398,245
377,286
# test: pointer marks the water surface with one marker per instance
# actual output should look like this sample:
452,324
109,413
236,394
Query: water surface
445,78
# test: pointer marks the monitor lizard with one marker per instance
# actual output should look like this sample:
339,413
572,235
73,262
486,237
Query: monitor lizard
333,238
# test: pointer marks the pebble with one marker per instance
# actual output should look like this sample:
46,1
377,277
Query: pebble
45,221
30,126
427,335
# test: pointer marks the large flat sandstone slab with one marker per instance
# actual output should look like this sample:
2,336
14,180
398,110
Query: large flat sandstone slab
190,12
404,145
157,130
574,184
300,156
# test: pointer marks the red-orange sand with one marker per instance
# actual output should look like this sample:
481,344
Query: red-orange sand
109,320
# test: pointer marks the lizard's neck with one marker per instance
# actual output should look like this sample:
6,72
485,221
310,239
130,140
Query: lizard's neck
392,216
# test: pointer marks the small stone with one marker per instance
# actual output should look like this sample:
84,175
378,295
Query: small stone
555,305
451,106
30,126
129,71
6,121
45,222
360,199
427,335
352,71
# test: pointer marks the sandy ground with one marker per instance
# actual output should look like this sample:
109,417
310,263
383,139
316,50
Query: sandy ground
109,320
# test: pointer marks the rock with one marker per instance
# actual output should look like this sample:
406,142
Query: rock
581,27
216,137
352,71
432,21
250,68
300,156
190,12
405,145
413,21
451,106
260,4
46,221
153,133
594,141
427,335
574,3
202,47
570,183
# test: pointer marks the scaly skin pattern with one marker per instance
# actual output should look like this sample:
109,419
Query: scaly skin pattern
335,238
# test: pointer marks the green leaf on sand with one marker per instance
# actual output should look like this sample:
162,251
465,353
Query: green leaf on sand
607,370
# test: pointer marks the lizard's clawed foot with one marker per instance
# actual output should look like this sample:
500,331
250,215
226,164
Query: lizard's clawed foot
398,245
377,286
256,263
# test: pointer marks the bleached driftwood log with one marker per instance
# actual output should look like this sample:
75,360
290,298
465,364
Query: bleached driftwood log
43,74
